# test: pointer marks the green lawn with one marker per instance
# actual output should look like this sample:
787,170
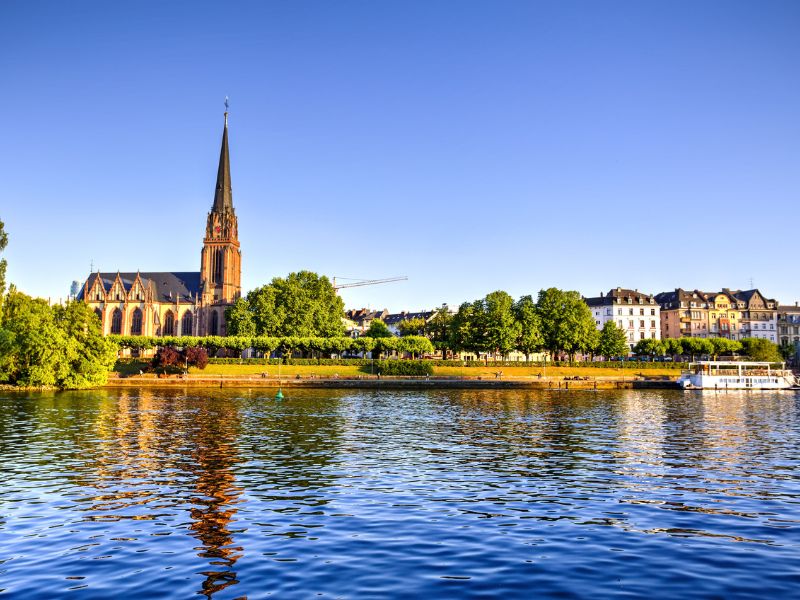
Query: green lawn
288,371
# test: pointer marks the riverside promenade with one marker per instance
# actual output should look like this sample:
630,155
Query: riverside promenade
393,383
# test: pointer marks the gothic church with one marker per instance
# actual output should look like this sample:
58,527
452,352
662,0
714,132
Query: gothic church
178,303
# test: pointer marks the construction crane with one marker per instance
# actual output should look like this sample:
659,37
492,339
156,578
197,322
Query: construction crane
360,282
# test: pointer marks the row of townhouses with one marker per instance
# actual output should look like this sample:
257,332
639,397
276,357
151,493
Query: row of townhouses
732,314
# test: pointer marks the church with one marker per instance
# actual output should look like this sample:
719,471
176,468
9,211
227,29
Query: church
178,303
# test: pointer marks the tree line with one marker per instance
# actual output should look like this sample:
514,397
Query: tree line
757,349
557,322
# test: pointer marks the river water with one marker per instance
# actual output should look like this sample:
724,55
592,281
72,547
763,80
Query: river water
151,493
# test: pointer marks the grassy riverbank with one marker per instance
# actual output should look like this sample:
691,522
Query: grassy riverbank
352,371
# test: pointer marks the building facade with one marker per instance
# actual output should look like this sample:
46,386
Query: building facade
636,313
789,329
725,315
683,313
178,303
731,314
789,324
759,315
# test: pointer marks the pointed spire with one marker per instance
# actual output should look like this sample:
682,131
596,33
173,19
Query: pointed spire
223,197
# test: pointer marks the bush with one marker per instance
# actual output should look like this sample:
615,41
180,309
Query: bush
196,357
407,368
166,357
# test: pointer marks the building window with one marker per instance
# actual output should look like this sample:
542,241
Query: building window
213,328
169,323
136,322
99,314
217,264
116,322
186,323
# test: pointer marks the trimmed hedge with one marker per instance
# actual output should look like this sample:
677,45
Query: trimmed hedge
407,368
360,362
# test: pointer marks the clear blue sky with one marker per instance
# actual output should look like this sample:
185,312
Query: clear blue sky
472,146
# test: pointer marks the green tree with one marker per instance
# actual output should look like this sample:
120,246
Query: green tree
378,329
239,319
302,304
762,350
415,345
723,346
59,346
567,322
466,333
530,338
500,325
612,341
696,347
787,351
3,264
415,326
89,356
439,329
673,346
650,347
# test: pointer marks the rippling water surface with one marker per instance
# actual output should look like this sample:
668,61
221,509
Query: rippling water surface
158,493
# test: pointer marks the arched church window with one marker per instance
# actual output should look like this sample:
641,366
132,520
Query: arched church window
169,323
116,322
186,323
136,322
214,327
99,314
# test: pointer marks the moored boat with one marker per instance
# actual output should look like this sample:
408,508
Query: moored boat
736,375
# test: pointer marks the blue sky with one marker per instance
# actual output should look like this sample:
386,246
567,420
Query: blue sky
471,146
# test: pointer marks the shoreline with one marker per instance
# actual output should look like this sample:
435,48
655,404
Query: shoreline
392,383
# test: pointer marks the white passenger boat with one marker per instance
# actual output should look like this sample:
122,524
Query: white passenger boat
735,375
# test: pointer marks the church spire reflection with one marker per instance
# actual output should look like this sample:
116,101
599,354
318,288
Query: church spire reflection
214,505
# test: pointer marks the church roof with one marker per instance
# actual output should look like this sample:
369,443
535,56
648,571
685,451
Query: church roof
165,286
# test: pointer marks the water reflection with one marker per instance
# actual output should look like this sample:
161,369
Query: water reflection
212,443
227,493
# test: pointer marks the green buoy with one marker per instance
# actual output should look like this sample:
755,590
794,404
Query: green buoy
279,395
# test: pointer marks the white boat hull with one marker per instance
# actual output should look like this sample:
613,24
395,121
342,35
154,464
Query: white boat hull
700,381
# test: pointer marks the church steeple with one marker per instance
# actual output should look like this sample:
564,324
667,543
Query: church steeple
221,258
223,196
